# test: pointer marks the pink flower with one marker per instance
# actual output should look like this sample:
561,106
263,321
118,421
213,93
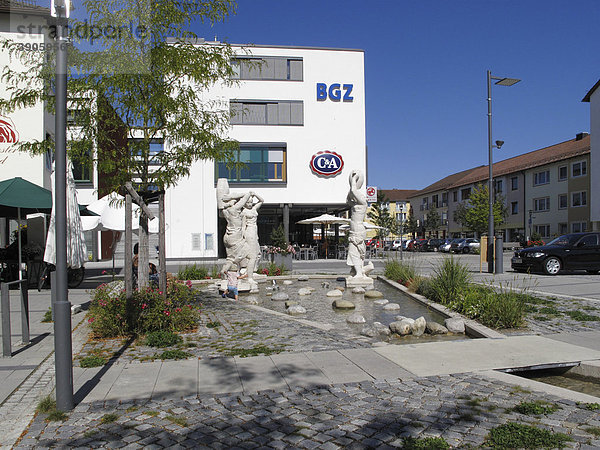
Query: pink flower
167,313
90,320
104,272
188,283
144,305
177,309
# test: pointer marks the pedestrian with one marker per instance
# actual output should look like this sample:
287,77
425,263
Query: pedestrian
233,277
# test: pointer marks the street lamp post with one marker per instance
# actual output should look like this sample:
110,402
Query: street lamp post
502,81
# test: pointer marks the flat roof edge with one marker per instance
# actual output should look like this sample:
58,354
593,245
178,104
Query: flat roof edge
171,40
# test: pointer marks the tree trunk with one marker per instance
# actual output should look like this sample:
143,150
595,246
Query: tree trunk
162,255
128,247
143,255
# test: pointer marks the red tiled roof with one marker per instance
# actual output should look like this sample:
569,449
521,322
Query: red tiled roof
446,183
397,195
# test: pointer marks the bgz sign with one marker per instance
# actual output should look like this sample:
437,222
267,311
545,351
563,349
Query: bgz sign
326,163
334,92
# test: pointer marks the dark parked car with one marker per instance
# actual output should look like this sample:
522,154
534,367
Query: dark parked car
577,251
433,245
419,245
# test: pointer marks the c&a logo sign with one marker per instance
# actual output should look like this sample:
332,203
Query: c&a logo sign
8,131
326,163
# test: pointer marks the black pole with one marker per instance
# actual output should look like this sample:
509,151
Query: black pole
490,244
63,352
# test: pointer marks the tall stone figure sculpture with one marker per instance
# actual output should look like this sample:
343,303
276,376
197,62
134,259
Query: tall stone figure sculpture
250,232
357,233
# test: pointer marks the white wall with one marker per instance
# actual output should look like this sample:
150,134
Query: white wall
595,157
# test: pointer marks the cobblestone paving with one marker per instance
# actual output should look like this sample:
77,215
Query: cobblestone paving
461,409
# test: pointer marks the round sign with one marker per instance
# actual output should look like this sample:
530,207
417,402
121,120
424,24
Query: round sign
371,191
326,163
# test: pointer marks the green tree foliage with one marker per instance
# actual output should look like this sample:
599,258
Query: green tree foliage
379,213
475,212
433,219
411,225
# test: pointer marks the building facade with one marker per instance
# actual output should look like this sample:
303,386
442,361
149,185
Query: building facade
593,98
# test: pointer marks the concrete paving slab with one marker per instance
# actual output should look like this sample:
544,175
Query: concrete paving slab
587,339
439,358
218,375
259,373
177,379
136,381
375,365
299,371
337,368
96,388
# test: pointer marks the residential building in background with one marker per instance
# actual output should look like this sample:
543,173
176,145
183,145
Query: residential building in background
593,98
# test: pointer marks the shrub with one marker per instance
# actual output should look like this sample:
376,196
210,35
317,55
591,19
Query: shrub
399,271
536,408
273,270
193,272
92,361
47,316
162,339
450,282
174,354
112,314
516,435
428,443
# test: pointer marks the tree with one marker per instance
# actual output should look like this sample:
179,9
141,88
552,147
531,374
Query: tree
379,213
433,220
411,223
476,211
136,93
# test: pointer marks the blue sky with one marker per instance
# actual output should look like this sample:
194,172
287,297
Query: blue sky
425,66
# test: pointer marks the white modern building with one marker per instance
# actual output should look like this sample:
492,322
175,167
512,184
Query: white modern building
291,104
593,97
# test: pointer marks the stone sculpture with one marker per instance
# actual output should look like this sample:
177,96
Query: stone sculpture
250,231
357,233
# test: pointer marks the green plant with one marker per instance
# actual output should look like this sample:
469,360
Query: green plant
90,433
174,354
151,413
56,416
162,338
399,271
278,238
254,351
550,310
92,361
109,418
193,272
181,421
451,279
428,443
47,316
536,408
581,316
592,406
46,405
272,270
515,435
214,324
593,430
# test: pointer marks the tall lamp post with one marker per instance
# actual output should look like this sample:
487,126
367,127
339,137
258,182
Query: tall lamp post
502,81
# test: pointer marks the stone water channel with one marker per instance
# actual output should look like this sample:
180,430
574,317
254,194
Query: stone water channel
319,307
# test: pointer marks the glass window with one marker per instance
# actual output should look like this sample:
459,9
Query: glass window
465,193
542,230
579,169
267,68
579,199
514,208
541,204
579,227
499,186
262,165
562,201
591,240
541,178
562,173
514,183
267,113
563,228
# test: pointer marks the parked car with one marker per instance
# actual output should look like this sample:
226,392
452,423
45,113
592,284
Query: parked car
464,245
374,242
397,244
576,251
445,247
433,245
420,245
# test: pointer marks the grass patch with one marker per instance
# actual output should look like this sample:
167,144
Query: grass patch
90,433
181,421
550,310
46,405
581,316
193,272
214,324
151,413
592,406
109,418
174,354
56,416
162,339
399,271
132,409
516,435
92,361
519,390
254,351
428,443
536,408
47,316
593,430
542,318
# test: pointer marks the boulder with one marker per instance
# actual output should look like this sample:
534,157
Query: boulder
436,328
296,310
401,327
289,303
342,304
280,297
251,300
334,293
340,288
369,331
418,326
355,318
382,329
373,294
287,282
358,290
303,278
304,291
391,307
381,302
455,325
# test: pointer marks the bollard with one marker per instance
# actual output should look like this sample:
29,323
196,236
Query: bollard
24,312
5,309
499,255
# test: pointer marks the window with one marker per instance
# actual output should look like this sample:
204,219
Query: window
578,199
514,208
465,193
542,230
498,186
591,240
209,241
562,173
196,240
444,218
514,183
264,163
400,217
579,169
541,204
563,200
579,227
563,228
267,68
250,112
455,196
541,178
434,200
82,171
444,199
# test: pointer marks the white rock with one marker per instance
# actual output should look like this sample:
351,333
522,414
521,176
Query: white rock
418,326
381,302
303,278
399,318
335,293
295,310
392,307
304,291
436,328
342,304
280,297
381,328
455,325
355,318
358,290
373,294
402,327
287,282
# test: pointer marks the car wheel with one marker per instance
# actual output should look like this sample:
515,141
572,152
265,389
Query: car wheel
466,250
593,272
552,265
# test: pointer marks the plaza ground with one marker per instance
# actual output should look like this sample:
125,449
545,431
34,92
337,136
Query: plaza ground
327,391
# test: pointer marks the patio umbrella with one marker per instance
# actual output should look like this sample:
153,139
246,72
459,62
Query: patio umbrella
324,219
76,248
367,225
111,212
19,196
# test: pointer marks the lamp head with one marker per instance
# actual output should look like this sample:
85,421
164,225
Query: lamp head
499,144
